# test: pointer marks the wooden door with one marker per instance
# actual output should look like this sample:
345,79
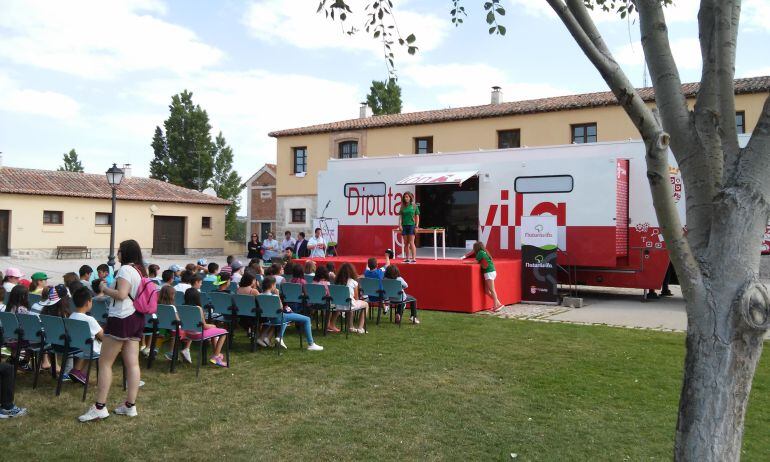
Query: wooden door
168,236
4,233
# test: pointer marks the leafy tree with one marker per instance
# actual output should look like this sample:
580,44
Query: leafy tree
727,196
187,160
159,166
71,162
384,97
228,185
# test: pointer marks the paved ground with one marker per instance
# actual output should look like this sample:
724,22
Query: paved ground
601,306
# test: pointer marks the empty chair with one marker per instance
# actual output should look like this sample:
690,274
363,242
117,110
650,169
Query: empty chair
192,322
80,339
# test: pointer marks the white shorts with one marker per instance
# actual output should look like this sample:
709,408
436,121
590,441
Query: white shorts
490,276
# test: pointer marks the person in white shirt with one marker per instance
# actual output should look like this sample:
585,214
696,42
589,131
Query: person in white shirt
270,248
288,242
187,279
237,267
83,302
12,276
317,245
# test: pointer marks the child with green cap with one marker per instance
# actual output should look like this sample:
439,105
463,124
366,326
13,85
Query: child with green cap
39,282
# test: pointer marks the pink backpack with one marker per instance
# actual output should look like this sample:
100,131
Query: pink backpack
146,301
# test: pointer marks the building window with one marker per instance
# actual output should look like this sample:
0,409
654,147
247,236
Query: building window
584,133
300,159
206,222
740,122
423,145
348,149
298,215
103,219
265,194
508,139
53,218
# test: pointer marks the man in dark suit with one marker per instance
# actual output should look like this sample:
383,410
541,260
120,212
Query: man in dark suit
300,248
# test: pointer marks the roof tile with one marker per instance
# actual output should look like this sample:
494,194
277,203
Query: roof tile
558,103
71,184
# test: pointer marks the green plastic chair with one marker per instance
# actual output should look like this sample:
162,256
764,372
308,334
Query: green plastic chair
340,298
80,338
208,286
57,342
271,307
33,339
372,288
246,307
223,309
167,319
99,311
318,301
10,335
190,320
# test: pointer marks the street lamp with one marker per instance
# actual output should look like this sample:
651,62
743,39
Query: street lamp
114,177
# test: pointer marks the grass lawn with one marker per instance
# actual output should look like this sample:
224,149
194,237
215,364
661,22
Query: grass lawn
457,387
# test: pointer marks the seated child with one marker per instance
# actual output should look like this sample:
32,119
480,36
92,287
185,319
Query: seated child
347,276
268,287
152,272
330,268
193,298
185,281
83,302
166,297
372,272
392,273
211,272
310,268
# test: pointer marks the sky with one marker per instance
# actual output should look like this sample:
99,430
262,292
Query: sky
98,76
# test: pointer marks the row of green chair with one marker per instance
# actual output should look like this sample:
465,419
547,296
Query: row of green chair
52,335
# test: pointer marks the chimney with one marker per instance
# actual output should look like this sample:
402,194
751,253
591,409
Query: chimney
497,95
126,171
364,111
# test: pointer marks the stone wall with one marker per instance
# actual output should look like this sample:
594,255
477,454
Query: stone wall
103,254
283,214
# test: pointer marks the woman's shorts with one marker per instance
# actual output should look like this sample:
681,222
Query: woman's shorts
128,328
490,276
407,230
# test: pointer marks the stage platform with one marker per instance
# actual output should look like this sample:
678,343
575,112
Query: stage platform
448,285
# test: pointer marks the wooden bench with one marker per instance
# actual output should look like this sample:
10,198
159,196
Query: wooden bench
72,250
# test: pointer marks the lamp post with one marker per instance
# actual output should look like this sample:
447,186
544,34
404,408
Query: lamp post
114,177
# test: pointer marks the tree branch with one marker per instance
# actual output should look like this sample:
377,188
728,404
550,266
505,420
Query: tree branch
727,33
575,17
753,168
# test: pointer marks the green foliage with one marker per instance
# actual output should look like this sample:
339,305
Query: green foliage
187,160
71,162
384,98
227,185
159,166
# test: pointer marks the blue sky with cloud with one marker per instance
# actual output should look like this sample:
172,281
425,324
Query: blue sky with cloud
98,76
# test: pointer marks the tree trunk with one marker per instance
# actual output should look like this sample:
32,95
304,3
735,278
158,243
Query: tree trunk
727,319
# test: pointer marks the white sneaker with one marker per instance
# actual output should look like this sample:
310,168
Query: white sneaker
386,310
145,351
186,356
280,343
315,347
126,411
141,383
94,414
262,342
414,320
355,330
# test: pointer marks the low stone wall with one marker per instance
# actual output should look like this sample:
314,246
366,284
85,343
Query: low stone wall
37,254
234,248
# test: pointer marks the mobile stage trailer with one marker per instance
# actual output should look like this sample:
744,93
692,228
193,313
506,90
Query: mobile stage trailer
608,232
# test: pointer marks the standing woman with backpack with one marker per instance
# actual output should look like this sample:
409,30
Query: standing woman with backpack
124,329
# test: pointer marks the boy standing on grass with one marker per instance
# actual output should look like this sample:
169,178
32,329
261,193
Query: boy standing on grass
83,303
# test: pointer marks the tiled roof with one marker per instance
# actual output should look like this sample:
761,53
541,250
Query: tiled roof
53,183
558,103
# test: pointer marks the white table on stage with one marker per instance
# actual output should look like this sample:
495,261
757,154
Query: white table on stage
434,231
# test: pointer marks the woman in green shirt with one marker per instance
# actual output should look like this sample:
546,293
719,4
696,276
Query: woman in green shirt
408,222
487,270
